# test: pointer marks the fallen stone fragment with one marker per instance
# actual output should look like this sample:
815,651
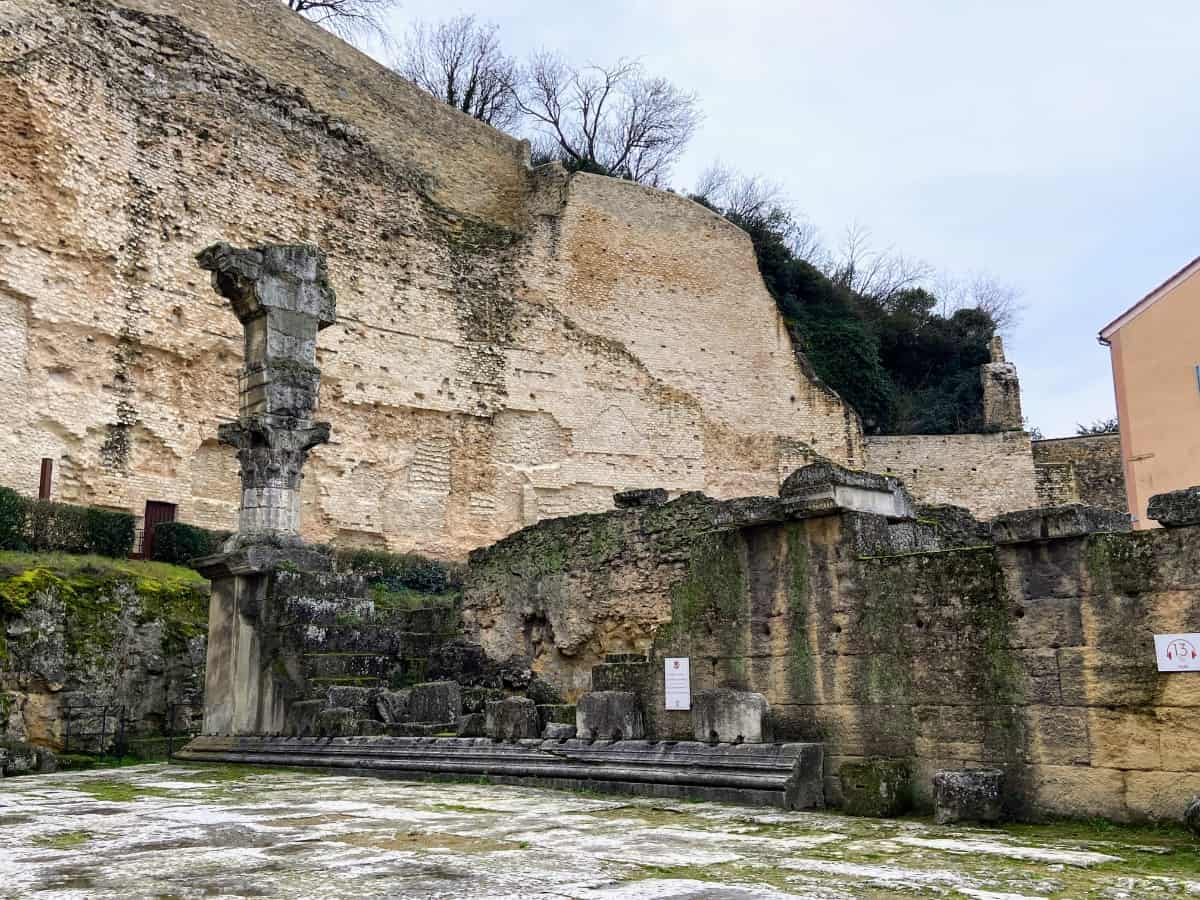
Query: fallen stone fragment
968,795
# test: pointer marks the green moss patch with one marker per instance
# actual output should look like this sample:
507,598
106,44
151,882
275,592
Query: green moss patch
63,840
118,791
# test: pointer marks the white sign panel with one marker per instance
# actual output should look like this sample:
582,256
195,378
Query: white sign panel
1177,652
678,682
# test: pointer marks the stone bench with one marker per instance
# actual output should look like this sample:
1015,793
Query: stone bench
783,775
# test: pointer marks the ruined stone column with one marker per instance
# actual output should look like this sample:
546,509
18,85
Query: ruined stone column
1001,391
282,297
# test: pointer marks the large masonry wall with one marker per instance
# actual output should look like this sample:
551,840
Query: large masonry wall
987,473
512,344
1085,469
1037,657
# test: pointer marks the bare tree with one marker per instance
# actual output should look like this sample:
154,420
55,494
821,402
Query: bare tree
614,119
980,290
879,274
460,62
752,200
349,19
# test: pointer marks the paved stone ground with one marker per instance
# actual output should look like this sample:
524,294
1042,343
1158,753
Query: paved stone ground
170,831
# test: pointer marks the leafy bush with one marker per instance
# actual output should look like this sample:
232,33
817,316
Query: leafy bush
14,516
396,571
41,525
179,543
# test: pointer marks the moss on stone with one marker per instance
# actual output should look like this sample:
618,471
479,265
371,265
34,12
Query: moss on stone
711,601
800,657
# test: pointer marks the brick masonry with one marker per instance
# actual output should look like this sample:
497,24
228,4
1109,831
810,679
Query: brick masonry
987,473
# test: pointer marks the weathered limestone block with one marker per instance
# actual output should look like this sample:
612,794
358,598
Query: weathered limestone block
558,731
640,497
369,727
336,721
555,713
832,487
880,788
968,795
358,699
302,717
472,725
1051,523
392,706
20,758
609,716
1175,509
730,716
435,702
512,719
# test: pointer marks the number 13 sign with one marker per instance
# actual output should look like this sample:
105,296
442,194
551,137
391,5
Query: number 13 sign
1177,652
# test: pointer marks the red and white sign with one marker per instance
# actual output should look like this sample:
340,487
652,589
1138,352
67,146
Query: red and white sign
1177,652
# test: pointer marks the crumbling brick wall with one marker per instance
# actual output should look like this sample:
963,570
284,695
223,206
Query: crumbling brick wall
513,344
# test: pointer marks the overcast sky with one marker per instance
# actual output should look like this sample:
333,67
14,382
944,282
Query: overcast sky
1053,144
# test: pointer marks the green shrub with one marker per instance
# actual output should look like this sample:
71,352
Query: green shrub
396,571
63,527
179,543
14,519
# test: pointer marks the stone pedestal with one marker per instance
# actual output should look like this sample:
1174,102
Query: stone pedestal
876,787
968,795
609,716
727,716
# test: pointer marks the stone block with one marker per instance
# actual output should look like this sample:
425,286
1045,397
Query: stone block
1056,522
21,759
826,486
392,706
1175,509
558,731
609,716
1159,796
730,716
1076,791
640,497
1124,740
880,788
352,697
968,795
475,699
302,717
471,725
1057,735
369,727
336,722
435,701
555,713
1191,817
512,719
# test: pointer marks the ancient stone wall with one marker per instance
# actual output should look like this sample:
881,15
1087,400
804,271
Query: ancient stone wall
1085,469
513,344
1037,657
987,473
86,660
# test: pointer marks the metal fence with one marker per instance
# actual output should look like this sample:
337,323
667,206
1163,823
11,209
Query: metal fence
105,729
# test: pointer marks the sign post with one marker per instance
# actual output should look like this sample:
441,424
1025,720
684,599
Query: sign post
1177,652
678,682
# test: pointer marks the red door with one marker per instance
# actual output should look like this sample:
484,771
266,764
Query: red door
156,514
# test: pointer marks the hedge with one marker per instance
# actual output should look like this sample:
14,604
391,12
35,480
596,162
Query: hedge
402,570
44,526
180,543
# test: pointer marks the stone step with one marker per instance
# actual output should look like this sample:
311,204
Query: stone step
328,611
342,664
783,775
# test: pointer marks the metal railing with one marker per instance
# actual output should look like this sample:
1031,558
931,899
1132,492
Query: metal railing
108,730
